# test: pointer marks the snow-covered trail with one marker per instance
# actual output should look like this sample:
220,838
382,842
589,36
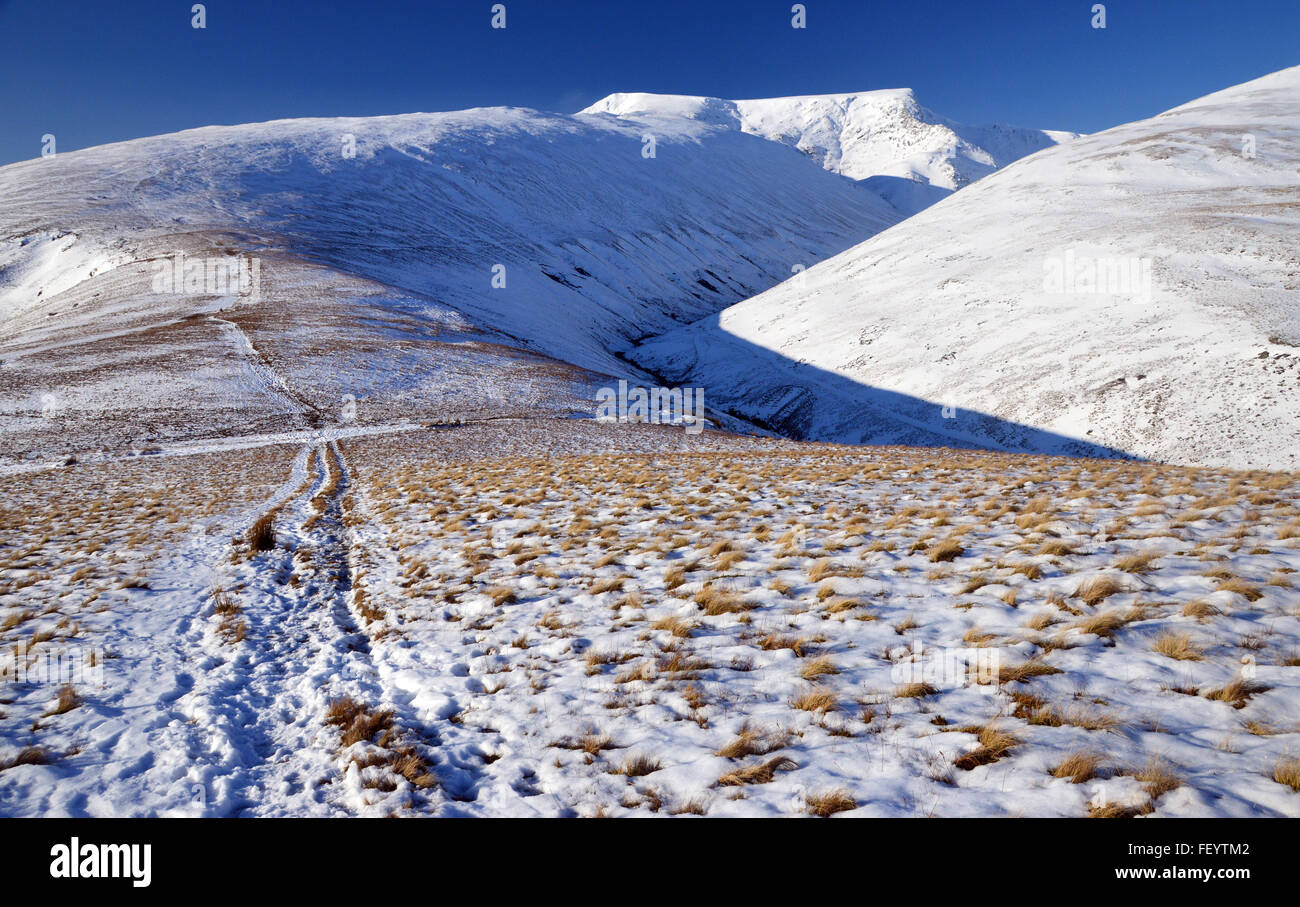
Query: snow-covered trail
260,701
219,686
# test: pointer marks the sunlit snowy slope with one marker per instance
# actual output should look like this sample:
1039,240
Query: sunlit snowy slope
1137,289
908,154
400,257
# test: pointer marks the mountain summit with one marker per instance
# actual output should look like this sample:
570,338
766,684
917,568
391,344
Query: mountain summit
905,152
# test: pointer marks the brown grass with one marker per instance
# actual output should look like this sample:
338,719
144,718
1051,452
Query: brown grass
1287,771
639,766
1138,563
261,535
915,691
946,550
356,720
752,742
761,773
1177,646
826,804
1241,587
1158,777
1025,671
1237,693
67,701
29,755
1098,589
817,667
1079,766
994,743
817,699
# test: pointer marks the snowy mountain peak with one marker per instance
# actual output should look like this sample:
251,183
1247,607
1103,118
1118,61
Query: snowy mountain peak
902,150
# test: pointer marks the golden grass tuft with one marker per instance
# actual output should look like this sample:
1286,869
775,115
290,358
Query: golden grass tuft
817,699
825,805
1098,589
1178,646
356,720
1079,766
818,667
1287,771
261,535
1026,670
945,550
761,773
1241,587
994,743
1157,777
639,766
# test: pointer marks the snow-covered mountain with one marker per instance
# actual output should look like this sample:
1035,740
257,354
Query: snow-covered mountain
380,242
908,154
1137,289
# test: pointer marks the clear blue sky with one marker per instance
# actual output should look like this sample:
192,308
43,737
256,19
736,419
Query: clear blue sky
99,71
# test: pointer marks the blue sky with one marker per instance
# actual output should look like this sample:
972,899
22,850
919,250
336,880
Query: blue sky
95,71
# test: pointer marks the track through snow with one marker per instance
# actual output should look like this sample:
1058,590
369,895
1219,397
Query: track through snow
239,662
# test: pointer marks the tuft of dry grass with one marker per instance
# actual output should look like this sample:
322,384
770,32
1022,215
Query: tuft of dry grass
500,595
761,773
1237,693
817,667
1157,777
825,805
356,720
753,742
994,743
773,641
915,691
1103,625
609,584
1287,771
945,550
1079,766
1199,609
1138,563
674,577
715,601
639,766
29,755
1177,646
1241,587
817,699
67,701
1098,589
1025,671
261,535
674,625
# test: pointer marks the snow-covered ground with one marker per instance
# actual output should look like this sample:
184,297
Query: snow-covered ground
526,617
350,540
976,320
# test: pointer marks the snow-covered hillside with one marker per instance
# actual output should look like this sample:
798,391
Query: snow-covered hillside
908,154
569,237
1138,289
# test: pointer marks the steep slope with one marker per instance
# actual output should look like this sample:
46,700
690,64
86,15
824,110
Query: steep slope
1011,300
905,152
401,260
